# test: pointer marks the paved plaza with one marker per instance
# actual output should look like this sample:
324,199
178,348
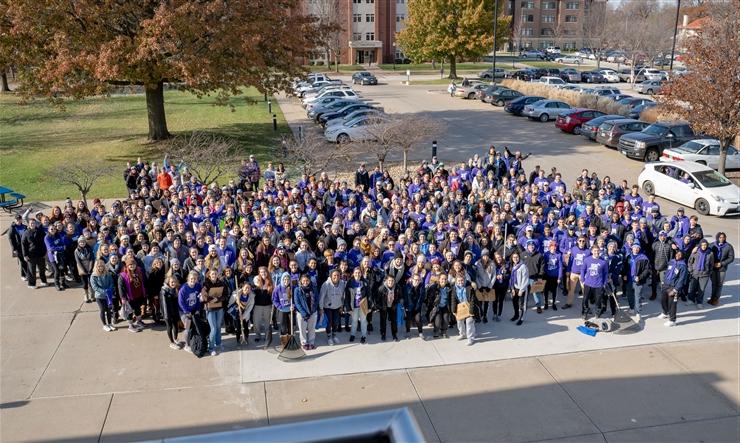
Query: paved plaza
64,379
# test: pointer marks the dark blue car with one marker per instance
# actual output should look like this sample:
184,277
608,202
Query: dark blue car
517,106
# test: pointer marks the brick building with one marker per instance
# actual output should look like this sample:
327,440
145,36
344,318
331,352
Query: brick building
538,24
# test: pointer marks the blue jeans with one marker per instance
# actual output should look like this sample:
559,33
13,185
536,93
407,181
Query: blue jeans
535,295
634,291
215,318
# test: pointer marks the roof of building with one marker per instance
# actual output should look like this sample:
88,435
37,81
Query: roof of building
697,24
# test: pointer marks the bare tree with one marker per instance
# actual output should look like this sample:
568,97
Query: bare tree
410,131
708,94
379,140
80,175
311,154
206,156
329,16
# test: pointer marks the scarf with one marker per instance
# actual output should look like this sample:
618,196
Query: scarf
514,274
701,263
461,294
720,246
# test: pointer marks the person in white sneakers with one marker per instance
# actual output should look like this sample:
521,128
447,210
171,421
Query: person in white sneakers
101,285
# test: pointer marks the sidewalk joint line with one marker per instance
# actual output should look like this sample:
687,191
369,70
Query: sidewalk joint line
423,406
105,419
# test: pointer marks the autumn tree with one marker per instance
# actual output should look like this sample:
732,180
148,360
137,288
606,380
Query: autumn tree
452,29
80,48
206,156
707,96
329,17
6,49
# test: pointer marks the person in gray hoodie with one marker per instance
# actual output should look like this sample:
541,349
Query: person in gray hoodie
485,273
84,259
331,298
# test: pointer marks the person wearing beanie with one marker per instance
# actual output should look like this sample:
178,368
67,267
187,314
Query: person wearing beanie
357,293
485,274
330,301
553,273
535,263
676,276
701,263
214,296
84,259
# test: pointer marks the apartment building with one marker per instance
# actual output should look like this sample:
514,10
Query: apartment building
369,28
538,24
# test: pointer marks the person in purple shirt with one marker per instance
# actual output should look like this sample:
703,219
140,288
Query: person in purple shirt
553,273
634,198
576,257
189,301
594,274
55,247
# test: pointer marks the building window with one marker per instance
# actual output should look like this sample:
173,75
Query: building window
571,5
369,1
529,18
547,32
357,18
527,32
370,18
548,5
400,2
571,19
356,1
548,19
356,36
527,5
400,18
369,36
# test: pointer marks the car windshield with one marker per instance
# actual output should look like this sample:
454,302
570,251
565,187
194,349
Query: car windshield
692,147
711,179
539,103
655,130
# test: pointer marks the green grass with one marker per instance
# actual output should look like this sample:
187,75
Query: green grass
36,136
544,64
342,68
421,67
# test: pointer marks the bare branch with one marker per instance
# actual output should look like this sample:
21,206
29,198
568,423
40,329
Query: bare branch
80,175
206,156
312,154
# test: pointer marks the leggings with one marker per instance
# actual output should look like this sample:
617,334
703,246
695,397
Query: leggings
551,287
516,301
105,312
498,305
171,327
389,315
332,321
413,317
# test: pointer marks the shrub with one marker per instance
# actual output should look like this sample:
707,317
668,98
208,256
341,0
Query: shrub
573,98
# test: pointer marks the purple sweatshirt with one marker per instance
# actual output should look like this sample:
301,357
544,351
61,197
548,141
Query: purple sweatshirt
577,257
595,272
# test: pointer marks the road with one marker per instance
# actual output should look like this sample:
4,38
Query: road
472,126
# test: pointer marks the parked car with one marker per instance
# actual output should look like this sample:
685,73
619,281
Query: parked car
500,73
588,129
342,112
583,53
482,93
364,78
704,151
649,144
617,97
610,131
353,115
604,92
343,92
650,87
625,75
501,96
517,105
323,102
572,120
355,130
633,101
691,184
469,92
648,74
547,72
524,74
639,109
553,49
532,54
610,75
551,81
570,75
616,57
318,111
545,110
568,60
593,77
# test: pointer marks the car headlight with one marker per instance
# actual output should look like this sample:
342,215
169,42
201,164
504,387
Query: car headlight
639,144
718,198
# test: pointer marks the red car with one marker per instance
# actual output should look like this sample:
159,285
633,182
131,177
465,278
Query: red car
572,119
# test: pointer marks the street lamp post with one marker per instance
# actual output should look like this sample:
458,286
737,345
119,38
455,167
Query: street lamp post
394,56
675,32
495,22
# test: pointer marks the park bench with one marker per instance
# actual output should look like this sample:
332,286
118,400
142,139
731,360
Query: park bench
15,201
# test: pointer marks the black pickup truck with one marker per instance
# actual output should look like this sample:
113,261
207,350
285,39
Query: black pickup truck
649,144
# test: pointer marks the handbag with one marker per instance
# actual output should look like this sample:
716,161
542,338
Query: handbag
463,311
538,286
126,311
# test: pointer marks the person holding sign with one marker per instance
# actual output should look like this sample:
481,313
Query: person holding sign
355,301
462,306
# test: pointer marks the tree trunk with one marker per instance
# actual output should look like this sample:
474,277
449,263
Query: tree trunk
380,163
405,160
453,67
723,145
155,112
83,194
4,76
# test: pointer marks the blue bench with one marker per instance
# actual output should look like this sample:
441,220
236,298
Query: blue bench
15,203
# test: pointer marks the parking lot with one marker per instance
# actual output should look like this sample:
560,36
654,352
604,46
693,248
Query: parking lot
471,126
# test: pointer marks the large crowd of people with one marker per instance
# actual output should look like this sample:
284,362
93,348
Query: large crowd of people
436,249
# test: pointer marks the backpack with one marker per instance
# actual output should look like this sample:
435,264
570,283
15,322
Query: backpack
198,338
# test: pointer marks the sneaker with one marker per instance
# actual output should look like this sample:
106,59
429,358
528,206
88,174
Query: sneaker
214,353
566,306
181,344
330,341
131,328
554,308
699,306
363,340
112,328
539,310
69,278
174,346
669,323
395,339
445,336
347,329
106,328
140,324
24,278
461,337
336,340
497,318
42,284
31,287
662,315
187,349
351,338
470,342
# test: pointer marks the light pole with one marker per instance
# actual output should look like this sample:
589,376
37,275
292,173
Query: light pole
394,56
675,31
495,22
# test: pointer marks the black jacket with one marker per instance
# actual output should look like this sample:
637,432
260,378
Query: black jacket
15,238
535,264
381,299
33,243
662,254
726,255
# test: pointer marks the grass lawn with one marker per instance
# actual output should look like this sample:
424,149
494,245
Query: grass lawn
36,136
544,64
343,69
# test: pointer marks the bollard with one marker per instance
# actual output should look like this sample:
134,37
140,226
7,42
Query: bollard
300,133
265,96
274,122
269,106
434,148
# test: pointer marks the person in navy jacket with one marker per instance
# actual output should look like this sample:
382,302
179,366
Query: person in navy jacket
676,276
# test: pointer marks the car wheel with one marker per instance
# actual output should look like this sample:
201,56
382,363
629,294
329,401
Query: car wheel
500,103
648,187
544,117
650,92
343,138
577,130
471,96
652,155
354,82
702,206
